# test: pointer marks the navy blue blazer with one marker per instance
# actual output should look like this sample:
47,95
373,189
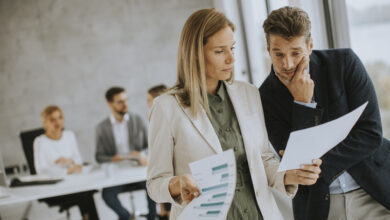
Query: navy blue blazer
341,85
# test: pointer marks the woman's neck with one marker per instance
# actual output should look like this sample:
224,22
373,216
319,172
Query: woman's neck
212,86
56,135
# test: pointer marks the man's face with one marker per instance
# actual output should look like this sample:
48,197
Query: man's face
119,103
287,53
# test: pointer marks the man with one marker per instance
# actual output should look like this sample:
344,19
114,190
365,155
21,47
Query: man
308,87
122,135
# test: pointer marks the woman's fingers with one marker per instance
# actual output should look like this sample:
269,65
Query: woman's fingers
189,190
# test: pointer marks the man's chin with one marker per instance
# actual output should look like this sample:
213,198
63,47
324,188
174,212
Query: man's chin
122,113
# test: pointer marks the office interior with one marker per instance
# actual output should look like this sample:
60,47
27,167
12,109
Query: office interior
68,53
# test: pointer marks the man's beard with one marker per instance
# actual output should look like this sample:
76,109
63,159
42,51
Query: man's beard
122,113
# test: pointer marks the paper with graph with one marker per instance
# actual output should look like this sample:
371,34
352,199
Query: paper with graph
215,177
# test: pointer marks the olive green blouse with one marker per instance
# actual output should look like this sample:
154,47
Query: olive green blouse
225,123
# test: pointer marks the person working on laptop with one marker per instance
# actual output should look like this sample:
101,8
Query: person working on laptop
56,152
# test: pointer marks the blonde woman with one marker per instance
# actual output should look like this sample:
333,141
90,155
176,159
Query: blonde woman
56,153
206,113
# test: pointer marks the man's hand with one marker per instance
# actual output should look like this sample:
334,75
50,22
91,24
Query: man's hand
301,86
75,168
64,161
184,186
307,175
116,158
143,161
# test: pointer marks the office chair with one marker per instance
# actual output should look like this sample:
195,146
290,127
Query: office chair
27,138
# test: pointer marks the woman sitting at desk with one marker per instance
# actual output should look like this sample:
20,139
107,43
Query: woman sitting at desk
56,153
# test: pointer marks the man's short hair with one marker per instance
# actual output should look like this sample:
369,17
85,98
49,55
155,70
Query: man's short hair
111,92
287,22
157,90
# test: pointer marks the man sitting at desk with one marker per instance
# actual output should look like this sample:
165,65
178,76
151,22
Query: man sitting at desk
56,153
120,136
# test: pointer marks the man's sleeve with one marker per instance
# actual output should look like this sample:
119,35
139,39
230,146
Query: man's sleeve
100,154
366,136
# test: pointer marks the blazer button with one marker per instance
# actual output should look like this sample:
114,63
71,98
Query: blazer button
327,197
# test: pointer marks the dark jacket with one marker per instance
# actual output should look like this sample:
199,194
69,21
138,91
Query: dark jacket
105,141
341,85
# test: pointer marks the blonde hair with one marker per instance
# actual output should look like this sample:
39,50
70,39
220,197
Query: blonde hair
48,110
190,86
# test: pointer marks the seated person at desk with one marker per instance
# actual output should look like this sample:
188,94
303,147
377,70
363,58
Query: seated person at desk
56,152
122,135
165,208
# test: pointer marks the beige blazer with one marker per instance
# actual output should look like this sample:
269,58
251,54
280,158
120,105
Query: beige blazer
177,139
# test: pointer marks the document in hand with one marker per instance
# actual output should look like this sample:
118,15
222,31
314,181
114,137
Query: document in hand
215,177
307,144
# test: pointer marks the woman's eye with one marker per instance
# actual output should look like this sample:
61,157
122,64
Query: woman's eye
218,51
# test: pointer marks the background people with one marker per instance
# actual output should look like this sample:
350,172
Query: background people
56,153
121,136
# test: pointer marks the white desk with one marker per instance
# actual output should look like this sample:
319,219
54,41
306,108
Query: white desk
95,180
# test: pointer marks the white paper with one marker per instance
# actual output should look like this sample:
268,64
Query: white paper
307,144
215,177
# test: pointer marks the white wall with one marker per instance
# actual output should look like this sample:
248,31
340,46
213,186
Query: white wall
69,52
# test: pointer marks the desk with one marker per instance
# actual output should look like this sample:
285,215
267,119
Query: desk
95,180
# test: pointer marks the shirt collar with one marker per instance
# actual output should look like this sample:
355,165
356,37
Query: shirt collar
221,92
114,121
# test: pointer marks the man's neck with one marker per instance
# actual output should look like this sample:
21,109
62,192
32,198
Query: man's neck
118,117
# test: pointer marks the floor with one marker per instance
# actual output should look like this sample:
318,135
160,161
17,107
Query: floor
40,211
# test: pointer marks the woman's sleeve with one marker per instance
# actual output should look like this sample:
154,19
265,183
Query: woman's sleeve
161,146
271,162
76,153
39,158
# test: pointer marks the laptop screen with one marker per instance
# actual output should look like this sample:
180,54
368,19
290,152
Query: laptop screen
3,177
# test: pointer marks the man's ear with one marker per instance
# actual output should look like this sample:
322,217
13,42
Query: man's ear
310,45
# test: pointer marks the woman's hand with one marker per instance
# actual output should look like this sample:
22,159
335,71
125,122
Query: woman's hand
75,168
307,175
184,186
64,161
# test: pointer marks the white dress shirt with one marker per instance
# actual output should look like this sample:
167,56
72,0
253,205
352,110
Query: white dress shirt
121,134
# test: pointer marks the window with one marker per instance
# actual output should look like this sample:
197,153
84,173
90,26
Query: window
369,31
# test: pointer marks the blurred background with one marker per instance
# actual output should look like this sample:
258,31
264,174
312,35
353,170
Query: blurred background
68,53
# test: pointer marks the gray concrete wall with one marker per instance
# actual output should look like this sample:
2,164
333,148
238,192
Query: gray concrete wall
69,52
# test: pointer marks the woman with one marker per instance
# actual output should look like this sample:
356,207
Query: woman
56,153
165,208
206,113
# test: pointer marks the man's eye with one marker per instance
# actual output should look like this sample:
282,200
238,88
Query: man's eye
279,55
296,54
232,48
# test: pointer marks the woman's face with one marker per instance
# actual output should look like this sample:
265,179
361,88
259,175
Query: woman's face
54,122
149,100
219,55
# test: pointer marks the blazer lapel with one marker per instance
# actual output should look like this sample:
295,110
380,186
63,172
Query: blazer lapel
204,126
241,107
110,135
317,73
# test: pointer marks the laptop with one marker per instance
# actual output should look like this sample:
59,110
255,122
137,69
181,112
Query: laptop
29,180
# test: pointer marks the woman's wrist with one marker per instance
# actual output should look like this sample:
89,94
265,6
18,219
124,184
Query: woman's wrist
174,186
